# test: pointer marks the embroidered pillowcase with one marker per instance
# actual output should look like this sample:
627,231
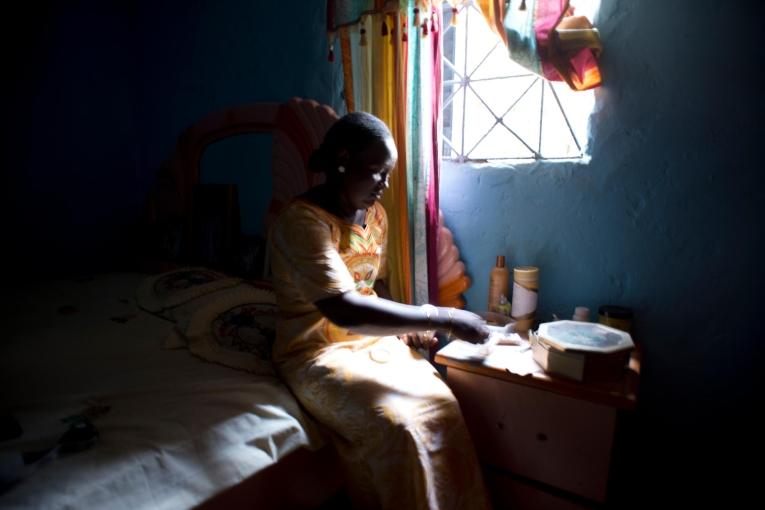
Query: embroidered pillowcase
218,318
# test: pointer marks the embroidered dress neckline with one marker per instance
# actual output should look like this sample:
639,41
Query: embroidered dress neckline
363,228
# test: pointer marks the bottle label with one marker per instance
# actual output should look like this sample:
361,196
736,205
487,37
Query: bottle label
524,301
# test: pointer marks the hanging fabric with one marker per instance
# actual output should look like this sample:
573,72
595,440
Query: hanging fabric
374,69
424,128
391,54
548,38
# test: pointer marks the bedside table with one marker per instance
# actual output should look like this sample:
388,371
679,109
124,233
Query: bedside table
540,437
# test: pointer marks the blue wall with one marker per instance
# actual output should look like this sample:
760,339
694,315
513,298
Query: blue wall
665,219
199,57
70,135
98,92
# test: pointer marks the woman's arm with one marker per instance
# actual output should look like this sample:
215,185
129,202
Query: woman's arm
414,339
378,316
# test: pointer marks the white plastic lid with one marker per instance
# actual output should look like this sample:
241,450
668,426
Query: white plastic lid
585,336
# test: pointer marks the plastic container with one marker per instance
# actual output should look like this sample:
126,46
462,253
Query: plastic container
619,317
525,296
581,314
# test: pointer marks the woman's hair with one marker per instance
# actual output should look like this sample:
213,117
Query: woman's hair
353,132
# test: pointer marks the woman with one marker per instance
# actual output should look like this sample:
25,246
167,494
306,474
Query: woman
343,350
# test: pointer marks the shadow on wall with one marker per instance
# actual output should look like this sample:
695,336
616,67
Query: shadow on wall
101,92
663,219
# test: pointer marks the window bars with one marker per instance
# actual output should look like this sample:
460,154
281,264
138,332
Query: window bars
494,109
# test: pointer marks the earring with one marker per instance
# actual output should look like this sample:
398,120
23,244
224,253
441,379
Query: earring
341,169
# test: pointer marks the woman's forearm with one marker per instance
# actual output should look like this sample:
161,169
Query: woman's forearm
369,315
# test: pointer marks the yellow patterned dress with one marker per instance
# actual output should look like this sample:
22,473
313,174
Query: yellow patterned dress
392,418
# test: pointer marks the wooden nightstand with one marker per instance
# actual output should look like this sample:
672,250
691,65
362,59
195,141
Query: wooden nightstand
545,441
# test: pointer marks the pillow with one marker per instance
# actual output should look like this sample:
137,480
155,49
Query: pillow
236,329
167,290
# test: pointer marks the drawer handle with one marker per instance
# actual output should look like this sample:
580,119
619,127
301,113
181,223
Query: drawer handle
541,437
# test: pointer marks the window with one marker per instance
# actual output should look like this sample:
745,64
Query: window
494,109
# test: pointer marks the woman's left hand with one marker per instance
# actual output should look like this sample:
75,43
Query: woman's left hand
419,340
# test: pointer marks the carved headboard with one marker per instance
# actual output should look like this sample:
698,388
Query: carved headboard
173,209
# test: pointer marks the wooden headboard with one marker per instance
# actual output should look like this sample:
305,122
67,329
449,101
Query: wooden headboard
297,128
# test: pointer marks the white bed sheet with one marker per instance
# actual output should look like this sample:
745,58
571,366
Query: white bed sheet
178,430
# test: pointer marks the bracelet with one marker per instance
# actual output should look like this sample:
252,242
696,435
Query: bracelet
451,318
429,310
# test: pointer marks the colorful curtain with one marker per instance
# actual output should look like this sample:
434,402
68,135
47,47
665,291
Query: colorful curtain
392,69
548,38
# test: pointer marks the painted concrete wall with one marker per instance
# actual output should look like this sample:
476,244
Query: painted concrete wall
69,133
199,57
664,219
98,92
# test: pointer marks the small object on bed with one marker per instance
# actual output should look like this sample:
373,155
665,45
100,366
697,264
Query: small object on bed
80,436
16,466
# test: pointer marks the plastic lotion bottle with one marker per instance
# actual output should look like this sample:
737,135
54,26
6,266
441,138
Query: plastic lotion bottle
499,280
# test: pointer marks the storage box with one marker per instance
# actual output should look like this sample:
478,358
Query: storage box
583,351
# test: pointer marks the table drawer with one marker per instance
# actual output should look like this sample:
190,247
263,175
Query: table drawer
511,493
557,440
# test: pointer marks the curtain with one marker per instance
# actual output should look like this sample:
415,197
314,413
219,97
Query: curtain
391,55
548,38
423,129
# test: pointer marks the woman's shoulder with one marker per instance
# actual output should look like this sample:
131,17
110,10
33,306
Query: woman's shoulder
299,214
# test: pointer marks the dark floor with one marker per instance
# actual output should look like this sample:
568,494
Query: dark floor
339,501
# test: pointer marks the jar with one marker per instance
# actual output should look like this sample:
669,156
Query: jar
619,317
525,296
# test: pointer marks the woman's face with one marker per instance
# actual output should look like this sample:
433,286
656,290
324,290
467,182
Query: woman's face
366,174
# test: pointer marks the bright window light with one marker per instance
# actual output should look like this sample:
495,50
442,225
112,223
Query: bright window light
494,109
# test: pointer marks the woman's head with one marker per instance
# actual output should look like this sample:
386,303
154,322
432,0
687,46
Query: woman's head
357,155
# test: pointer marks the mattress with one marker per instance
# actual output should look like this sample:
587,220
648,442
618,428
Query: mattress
177,430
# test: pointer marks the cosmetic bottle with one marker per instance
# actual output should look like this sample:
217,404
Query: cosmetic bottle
499,281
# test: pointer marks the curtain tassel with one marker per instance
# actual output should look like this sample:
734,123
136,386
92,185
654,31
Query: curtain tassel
416,22
453,22
363,41
433,24
425,28
523,5
384,30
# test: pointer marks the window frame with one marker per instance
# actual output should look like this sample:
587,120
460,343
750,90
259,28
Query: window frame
456,151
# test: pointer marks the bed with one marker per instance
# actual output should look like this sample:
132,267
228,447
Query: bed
183,418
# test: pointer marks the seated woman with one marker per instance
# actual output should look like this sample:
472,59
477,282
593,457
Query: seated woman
343,350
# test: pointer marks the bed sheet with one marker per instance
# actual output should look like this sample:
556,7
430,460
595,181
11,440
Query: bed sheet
178,429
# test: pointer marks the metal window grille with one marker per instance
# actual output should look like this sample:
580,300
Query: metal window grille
494,109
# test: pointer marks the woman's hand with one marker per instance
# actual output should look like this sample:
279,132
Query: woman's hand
420,340
465,325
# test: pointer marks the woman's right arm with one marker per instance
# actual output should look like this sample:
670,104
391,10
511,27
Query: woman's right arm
369,315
